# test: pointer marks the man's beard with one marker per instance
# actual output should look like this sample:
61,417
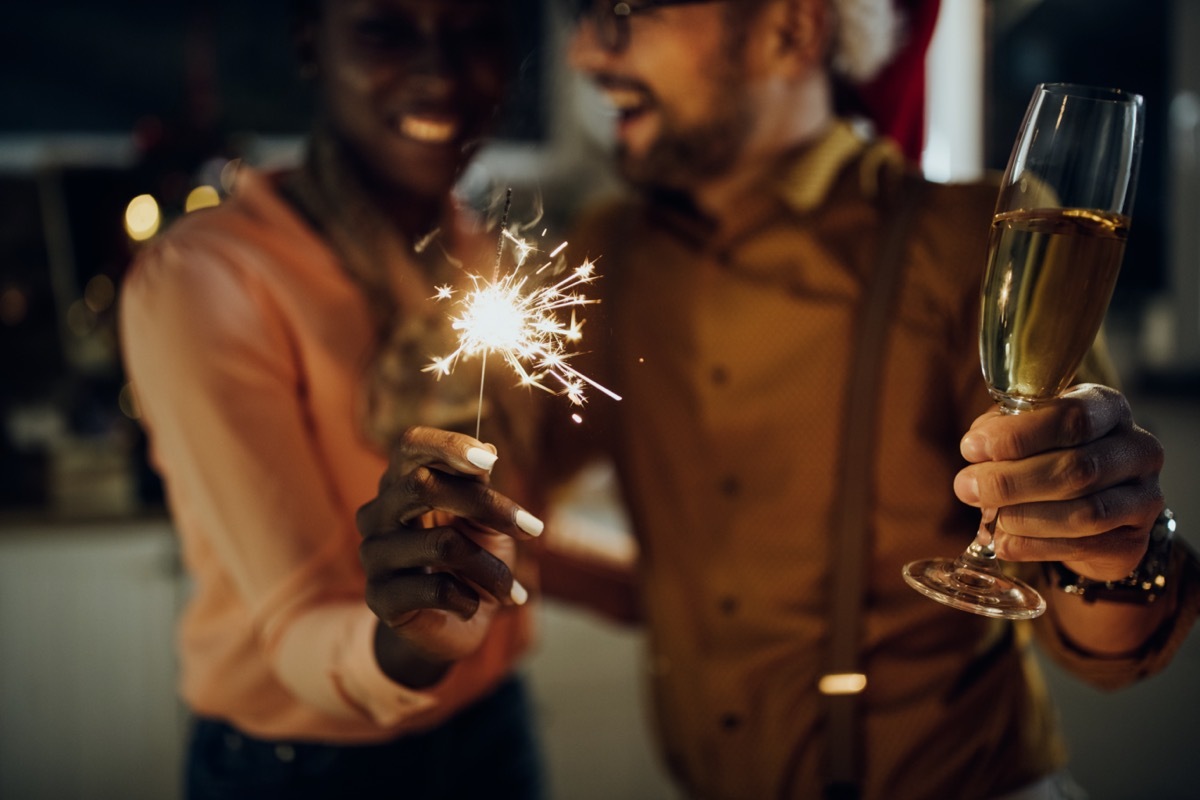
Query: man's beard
681,158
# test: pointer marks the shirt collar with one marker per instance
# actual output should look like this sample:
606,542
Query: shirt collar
806,180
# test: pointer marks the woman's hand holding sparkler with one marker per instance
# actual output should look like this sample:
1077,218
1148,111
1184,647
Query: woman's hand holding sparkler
438,541
438,546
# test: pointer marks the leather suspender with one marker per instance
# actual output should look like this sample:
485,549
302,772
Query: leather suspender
844,680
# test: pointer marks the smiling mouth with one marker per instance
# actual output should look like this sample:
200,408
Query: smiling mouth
626,103
428,129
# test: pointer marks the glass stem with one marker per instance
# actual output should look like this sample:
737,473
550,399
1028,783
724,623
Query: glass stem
981,553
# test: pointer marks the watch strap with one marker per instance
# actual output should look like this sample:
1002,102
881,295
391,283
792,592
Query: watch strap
1148,581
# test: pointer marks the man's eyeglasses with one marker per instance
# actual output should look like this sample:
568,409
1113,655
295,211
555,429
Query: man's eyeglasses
612,18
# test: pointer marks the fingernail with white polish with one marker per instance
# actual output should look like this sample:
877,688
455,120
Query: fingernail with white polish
518,593
484,459
528,522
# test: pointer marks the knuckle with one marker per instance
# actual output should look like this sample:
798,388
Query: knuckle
1081,470
1077,423
1121,403
996,486
441,590
382,606
420,483
443,545
1008,443
368,552
447,593
494,502
1011,518
400,453
1011,547
379,558
444,440
407,439
374,601
1093,513
363,517
1152,447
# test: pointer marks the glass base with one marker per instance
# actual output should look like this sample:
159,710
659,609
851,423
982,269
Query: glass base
980,590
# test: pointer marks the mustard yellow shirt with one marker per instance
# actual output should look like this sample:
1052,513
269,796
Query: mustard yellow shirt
732,358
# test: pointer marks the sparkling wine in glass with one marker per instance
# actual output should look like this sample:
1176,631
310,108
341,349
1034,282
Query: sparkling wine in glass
1054,252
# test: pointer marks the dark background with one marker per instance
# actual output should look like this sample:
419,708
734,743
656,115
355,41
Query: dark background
102,100
1114,43
224,66
185,84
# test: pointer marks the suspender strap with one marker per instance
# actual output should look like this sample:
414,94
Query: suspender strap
844,680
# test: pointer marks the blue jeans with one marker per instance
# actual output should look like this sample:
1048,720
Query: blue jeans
487,750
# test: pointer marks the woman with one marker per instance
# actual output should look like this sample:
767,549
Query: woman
275,345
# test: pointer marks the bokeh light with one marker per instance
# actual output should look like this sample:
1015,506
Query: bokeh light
142,217
99,293
14,305
202,196
127,402
81,320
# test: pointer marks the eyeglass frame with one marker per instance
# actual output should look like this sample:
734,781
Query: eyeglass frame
612,26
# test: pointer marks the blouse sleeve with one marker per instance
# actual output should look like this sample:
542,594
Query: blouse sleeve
215,373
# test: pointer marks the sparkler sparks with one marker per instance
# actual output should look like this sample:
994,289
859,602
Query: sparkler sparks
520,322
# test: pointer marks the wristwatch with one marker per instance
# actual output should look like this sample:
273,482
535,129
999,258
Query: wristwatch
1143,586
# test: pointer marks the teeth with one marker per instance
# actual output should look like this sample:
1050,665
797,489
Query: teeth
624,99
425,129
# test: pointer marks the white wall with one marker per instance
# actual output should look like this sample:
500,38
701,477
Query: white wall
88,709
954,94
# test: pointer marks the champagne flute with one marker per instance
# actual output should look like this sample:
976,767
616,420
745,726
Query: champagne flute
1055,248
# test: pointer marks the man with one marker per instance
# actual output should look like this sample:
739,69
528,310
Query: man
734,281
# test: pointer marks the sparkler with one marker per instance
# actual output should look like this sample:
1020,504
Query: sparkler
509,316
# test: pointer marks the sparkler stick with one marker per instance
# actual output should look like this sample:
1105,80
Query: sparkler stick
506,315
495,275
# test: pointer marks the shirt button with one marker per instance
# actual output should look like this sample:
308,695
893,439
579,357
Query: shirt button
730,721
285,753
730,486
720,375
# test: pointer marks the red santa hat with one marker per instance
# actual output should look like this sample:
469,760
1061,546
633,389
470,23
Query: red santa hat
880,50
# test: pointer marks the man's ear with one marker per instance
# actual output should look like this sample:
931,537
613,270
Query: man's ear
801,33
